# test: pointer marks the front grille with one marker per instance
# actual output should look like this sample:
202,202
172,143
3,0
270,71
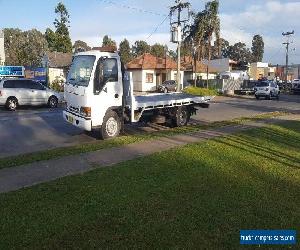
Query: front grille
73,109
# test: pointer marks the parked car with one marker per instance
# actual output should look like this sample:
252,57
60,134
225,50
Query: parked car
295,86
168,86
266,89
18,92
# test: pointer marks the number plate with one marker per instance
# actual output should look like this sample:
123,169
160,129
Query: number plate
70,119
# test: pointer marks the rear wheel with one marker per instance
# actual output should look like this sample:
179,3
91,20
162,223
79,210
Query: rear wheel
182,117
12,103
111,126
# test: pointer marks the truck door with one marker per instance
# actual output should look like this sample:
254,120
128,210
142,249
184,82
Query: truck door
108,87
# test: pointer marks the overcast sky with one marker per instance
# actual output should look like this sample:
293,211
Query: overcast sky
92,19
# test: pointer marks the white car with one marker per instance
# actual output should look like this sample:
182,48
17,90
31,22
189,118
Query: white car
266,89
19,92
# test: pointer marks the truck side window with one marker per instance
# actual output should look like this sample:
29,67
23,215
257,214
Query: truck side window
110,70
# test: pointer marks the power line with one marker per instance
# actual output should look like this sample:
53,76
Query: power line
155,30
133,8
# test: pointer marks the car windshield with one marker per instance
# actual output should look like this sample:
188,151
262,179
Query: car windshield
262,84
81,70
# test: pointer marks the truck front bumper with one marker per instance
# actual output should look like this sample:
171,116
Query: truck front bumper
78,121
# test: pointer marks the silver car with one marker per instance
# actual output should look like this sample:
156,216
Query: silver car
18,92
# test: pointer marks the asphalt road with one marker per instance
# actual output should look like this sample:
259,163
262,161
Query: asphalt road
34,129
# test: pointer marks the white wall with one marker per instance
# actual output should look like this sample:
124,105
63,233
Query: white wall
146,86
55,73
2,52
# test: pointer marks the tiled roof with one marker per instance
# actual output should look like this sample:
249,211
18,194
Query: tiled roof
59,59
188,63
148,61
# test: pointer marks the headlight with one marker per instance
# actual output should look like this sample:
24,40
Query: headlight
86,111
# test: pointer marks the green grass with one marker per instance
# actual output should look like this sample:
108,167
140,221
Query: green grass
18,160
201,91
197,196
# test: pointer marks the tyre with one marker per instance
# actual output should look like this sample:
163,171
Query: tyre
53,102
166,90
182,117
12,103
257,97
111,126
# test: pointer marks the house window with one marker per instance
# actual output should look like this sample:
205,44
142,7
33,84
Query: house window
149,78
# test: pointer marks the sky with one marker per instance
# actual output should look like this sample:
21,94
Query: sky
145,20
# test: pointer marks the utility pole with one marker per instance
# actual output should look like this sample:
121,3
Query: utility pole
287,44
176,29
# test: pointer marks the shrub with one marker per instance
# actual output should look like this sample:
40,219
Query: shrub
200,91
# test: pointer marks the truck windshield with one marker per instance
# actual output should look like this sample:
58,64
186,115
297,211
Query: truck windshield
81,70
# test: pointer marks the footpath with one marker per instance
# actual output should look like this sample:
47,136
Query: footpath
15,178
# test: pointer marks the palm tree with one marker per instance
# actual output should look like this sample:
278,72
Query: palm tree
200,33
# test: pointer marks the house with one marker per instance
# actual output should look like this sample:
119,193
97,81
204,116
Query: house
58,64
260,70
2,52
202,70
149,71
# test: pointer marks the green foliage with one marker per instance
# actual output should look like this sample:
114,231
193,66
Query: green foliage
80,46
239,52
140,48
107,41
57,85
257,48
24,47
60,40
125,51
200,91
158,50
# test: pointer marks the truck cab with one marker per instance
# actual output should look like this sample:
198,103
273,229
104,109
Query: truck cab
94,92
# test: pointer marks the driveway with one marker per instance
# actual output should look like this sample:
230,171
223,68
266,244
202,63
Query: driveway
29,130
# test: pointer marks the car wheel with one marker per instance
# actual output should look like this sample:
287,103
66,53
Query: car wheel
182,117
166,90
111,126
257,97
12,103
53,102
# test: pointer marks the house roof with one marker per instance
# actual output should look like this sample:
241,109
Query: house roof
148,61
188,63
59,59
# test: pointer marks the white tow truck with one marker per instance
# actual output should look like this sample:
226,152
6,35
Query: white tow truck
99,96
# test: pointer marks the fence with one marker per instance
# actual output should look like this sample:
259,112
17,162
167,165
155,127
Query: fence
220,84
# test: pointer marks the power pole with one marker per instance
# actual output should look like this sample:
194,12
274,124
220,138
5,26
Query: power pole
176,29
287,45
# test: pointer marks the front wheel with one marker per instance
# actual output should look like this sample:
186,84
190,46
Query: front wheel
11,103
111,126
52,102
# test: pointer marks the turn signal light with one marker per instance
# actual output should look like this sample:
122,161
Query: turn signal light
86,111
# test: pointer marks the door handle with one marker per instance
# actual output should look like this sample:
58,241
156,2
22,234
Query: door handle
116,95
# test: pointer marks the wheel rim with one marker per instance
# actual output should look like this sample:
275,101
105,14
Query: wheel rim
182,117
12,104
52,102
111,126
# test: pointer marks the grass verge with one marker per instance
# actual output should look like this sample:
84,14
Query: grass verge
14,161
198,195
